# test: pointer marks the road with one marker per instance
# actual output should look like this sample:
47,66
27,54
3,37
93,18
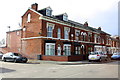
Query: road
31,70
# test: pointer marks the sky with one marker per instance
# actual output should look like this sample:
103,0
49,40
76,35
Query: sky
98,13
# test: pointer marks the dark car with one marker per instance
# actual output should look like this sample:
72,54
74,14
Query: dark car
15,57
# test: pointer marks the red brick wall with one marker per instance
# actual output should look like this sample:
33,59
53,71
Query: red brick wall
55,58
63,58
32,48
14,41
33,28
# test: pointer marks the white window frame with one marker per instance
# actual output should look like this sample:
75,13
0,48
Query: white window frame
77,50
48,11
65,17
89,36
68,49
77,36
95,38
28,17
66,35
59,33
49,49
52,26
17,33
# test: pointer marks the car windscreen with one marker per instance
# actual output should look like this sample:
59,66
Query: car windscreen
93,53
116,54
16,54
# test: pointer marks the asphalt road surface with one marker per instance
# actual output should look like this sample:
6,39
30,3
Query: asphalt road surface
30,70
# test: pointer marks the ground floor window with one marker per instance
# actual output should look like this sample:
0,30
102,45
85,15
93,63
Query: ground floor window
50,49
67,49
77,50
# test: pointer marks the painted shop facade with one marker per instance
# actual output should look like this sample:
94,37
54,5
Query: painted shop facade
55,37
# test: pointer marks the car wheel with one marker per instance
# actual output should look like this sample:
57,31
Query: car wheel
89,60
15,60
4,60
24,61
100,60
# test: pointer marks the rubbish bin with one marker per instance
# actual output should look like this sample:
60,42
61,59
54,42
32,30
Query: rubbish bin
39,57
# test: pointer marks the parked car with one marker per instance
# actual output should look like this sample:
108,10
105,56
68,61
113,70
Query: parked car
15,57
1,54
97,56
116,56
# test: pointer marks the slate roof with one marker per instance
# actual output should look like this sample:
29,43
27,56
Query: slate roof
42,11
14,30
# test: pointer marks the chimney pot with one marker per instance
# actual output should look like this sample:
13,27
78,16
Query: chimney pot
86,24
99,28
34,6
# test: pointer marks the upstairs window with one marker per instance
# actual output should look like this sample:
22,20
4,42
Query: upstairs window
50,28
65,17
83,36
59,33
77,33
29,17
89,36
66,32
95,38
48,11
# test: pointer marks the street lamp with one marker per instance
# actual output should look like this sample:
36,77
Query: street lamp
9,28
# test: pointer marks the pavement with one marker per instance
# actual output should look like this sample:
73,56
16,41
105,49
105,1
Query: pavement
65,62
58,62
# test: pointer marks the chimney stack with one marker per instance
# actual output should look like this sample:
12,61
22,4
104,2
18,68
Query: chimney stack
34,6
99,28
86,24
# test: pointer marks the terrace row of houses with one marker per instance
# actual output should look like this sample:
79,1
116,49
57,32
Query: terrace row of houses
55,37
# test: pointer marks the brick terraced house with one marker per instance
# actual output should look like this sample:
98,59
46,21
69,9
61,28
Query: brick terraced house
57,38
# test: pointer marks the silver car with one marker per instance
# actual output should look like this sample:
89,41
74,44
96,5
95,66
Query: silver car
97,56
15,57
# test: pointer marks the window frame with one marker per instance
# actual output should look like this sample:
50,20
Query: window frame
48,12
77,50
28,17
66,35
77,36
52,26
48,47
59,33
67,48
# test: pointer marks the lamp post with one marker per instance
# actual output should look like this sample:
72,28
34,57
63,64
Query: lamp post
9,28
